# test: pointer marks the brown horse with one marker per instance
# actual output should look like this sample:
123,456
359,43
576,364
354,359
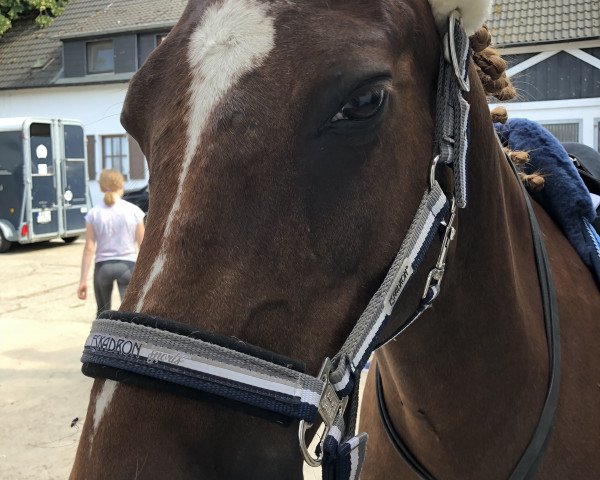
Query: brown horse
289,144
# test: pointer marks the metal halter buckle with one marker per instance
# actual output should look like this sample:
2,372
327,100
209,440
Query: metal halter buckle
330,407
450,50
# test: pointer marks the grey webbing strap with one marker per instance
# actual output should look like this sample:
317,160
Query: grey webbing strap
526,468
356,350
343,450
452,115
451,144
202,365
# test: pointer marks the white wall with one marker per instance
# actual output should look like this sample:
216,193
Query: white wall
98,107
584,111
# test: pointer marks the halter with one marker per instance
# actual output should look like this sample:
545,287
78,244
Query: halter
526,467
144,350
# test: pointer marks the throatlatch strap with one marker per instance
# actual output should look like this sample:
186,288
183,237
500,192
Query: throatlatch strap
343,450
349,457
203,366
362,340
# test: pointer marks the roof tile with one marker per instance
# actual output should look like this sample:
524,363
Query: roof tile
25,47
547,21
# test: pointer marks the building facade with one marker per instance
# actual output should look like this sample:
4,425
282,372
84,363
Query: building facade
553,51
80,68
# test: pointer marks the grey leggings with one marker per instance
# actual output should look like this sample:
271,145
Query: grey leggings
105,274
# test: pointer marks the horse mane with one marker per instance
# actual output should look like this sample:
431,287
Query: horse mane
491,67
491,70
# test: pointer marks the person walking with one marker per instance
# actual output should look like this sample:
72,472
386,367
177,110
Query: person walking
113,229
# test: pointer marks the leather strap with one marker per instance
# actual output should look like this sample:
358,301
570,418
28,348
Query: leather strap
531,457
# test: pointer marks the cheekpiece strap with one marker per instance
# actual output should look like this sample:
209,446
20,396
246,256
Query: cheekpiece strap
452,117
451,145
343,450
362,340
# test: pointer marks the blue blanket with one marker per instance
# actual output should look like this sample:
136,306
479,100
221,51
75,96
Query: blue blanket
564,196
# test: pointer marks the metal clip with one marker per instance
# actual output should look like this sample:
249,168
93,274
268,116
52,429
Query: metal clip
437,273
330,408
432,170
450,50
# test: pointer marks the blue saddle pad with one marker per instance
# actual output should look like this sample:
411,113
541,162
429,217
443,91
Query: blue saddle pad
564,196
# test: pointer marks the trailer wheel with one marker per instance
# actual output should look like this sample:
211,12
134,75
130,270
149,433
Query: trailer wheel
4,243
70,239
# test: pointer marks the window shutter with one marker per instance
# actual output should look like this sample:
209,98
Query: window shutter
136,160
564,132
91,156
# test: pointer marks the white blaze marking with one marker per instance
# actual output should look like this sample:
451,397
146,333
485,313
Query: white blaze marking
233,38
102,401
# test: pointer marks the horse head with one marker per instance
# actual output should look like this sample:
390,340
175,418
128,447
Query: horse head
289,144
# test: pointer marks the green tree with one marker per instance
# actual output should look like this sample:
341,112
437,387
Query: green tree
44,11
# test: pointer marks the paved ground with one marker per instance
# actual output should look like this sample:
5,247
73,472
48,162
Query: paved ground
42,329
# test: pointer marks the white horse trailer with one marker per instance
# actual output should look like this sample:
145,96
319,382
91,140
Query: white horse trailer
43,180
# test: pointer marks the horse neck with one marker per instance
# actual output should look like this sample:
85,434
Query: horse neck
477,361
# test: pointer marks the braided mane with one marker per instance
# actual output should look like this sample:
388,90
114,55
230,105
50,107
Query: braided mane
491,67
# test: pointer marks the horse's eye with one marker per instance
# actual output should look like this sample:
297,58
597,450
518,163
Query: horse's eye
364,104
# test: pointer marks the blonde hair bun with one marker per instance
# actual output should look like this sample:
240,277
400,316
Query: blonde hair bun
111,182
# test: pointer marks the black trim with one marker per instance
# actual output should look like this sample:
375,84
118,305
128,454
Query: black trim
123,376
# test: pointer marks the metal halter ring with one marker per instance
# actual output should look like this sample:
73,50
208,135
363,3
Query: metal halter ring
432,170
330,408
450,51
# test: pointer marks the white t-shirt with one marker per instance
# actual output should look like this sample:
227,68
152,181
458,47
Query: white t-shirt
114,228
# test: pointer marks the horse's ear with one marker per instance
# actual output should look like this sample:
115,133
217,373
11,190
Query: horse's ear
474,13
491,67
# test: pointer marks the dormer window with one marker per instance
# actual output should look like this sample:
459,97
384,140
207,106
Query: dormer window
89,59
100,57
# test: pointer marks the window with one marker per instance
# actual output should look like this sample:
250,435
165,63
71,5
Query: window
564,132
100,57
42,158
115,153
74,142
